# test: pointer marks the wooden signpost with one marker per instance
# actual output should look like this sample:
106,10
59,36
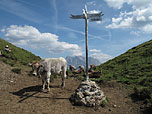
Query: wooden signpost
92,17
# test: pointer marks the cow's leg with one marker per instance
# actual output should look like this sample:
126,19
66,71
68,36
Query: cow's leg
63,75
43,84
48,80
63,82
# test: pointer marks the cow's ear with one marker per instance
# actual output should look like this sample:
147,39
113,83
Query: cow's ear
29,64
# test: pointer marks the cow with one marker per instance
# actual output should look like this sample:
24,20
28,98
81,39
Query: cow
92,68
72,68
81,68
45,67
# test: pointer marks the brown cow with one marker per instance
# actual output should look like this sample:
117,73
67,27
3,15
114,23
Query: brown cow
72,68
92,68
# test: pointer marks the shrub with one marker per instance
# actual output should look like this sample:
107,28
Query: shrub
103,103
17,70
142,93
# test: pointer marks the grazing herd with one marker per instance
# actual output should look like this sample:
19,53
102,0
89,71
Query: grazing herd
55,66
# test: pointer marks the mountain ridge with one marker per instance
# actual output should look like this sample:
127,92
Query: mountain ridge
81,60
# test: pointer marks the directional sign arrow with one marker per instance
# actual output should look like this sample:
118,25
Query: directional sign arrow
90,15
77,16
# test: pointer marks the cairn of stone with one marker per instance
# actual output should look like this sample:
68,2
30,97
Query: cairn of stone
87,94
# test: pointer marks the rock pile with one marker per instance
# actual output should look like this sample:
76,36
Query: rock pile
87,94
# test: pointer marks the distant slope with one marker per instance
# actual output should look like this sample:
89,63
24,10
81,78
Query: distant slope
133,68
80,60
17,56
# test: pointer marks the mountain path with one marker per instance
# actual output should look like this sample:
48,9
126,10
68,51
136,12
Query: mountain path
20,93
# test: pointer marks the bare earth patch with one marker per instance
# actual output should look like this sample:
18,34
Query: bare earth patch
21,94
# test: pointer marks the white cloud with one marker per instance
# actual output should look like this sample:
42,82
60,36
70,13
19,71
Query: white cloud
101,57
97,54
32,37
147,28
95,50
139,18
150,18
126,23
116,20
117,4
139,3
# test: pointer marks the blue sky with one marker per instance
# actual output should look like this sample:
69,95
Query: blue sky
44,27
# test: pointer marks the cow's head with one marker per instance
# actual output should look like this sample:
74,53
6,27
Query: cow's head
35,66
40,70
37,69
92,66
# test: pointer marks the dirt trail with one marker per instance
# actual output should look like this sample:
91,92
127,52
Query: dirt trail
20,94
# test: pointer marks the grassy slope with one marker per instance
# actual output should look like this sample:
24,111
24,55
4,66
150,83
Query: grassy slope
18,57
133,68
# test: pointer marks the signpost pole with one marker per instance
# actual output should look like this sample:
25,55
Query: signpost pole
92,17
86,41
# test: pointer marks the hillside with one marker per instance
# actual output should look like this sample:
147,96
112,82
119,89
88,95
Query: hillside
17,56
80,60
134,68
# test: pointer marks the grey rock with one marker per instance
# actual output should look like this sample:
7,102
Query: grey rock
87,94
114,106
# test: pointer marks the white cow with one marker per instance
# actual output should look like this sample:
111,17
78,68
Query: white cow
49,66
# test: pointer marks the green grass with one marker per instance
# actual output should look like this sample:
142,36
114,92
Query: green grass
133,68
17,57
